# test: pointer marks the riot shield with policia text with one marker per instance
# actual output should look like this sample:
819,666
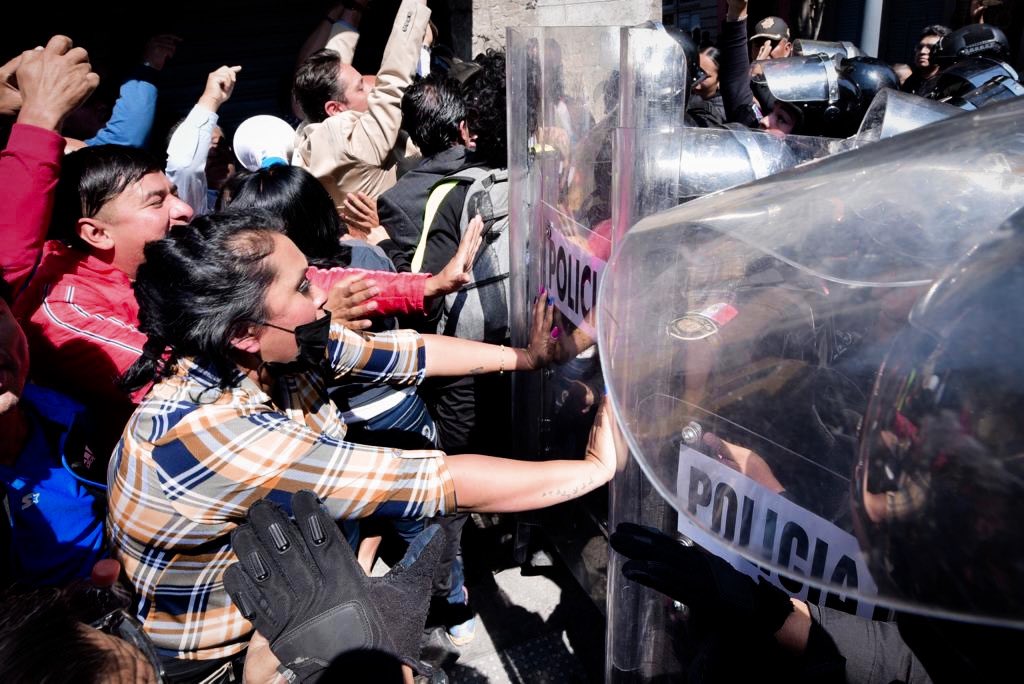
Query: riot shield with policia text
742,336
560,129
661,163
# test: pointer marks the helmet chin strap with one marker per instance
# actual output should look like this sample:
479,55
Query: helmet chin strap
832,76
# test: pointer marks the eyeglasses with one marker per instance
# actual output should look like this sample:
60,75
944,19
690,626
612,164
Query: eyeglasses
926,46
118,623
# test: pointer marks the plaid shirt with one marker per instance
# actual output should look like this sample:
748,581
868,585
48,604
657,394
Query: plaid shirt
194,457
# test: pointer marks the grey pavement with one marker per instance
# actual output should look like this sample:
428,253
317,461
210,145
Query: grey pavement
534,624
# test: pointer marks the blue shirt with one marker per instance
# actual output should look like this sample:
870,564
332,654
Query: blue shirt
56,519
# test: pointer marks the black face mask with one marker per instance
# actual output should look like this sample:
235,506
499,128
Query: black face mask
311,339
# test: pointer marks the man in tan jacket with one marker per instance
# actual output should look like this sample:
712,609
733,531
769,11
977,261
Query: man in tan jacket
350,139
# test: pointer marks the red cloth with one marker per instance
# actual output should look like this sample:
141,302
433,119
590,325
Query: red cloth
81,318
79,313
29,167
400,293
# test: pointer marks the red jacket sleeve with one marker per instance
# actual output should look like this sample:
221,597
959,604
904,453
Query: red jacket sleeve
29,167
84,342
400,293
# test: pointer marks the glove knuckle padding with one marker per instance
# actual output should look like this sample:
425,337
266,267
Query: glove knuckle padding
344,627
328,549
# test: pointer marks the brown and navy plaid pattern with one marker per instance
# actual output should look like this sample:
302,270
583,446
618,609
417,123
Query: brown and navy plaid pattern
194,457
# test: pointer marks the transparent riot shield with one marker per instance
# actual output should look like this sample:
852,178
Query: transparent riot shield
837,50
640,631
741,335
892,112
563,104
692,162
660,164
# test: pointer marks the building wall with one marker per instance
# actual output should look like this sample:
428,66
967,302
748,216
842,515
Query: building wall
491,17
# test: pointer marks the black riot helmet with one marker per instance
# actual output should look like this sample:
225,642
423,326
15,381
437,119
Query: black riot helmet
939,487
973,40
869,75
833,95
956,81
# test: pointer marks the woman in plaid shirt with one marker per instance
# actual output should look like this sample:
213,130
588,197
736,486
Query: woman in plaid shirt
240,412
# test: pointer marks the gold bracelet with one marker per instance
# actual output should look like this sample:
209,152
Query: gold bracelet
501,351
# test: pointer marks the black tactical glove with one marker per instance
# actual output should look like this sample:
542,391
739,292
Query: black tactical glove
717,594
301,587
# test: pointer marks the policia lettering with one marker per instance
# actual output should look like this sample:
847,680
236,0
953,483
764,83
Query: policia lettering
782,539
572,275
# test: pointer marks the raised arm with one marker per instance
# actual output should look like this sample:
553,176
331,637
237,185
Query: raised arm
451,356
189,147
378,131
135,109
52,82
500,485
337,29
734,72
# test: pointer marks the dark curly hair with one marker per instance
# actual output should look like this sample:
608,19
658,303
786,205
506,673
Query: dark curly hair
200,286
484,94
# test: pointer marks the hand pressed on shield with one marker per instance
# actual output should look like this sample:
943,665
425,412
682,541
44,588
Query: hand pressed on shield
456,272
301,587
350,301
543,339
605,445
569,346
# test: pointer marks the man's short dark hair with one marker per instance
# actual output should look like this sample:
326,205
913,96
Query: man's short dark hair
91,177
316,84
935,30
432,109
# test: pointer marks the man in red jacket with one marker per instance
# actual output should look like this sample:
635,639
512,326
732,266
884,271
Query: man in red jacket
79,310
73,296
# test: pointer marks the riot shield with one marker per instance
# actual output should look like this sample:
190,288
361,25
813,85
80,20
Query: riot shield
835,49
892,112
660,163
640,631
996,90
706,160
561,129
813,78
741,335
